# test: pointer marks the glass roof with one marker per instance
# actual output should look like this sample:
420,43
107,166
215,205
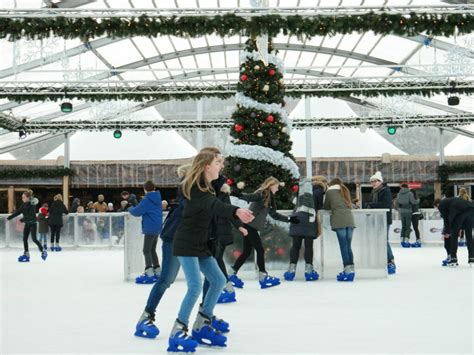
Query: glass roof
141,58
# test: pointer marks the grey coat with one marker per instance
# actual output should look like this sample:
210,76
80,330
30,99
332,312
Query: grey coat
260,211
341,215
406,201
305,228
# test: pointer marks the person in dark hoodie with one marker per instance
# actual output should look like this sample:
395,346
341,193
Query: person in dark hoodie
457,214
405,204
151,210
309,202
28,210
75,204
55,221
382,198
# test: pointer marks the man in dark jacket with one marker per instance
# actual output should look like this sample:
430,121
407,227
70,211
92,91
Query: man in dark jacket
457,214
150,208
382,198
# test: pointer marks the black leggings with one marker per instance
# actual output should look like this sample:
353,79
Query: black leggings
465,222
415,218
220,259
26,232
55,232
308,249
149,251
251,240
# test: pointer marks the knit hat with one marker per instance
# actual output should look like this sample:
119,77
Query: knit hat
377,176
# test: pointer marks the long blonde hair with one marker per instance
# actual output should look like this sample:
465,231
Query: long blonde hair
195,175
265,189
345,193
58,197
463,194
319,180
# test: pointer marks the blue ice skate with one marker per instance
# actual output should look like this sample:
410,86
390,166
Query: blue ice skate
146,329
289,275
445,262
417,244
405,244
220,325
25,258
311,276
226,297
391,268
144,279
236,282
209,336
58,248
181,342
44,254
268,281
343,276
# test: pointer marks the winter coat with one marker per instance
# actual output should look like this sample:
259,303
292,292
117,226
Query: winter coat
454,210
406,201
192,235
382,198
43,223
132,200
28,209
75,204
305,228
259,210
221,228
173,219
151,210
341,215
56,211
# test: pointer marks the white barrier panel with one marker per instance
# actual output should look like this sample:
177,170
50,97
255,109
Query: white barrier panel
369,246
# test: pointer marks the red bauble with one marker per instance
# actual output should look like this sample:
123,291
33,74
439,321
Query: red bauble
229,182
271,72
236,253
280,251
238,127
244,77
270,118
295,188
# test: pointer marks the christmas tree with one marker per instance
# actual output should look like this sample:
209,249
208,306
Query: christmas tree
261,143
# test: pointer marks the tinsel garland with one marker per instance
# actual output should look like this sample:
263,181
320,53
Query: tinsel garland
86,28
254,55
256,152
26,173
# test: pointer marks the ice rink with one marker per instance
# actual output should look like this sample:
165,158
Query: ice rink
77,302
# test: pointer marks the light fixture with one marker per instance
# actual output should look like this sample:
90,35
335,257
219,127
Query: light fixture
22,132
453,100
66,107
117,134
391,130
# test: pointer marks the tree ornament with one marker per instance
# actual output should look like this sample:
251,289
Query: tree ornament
282,184
253,115
280,251
266,87
229,182
237,168
257,67
284,129
270,118
274,142
241,185
238,128
295,188
271,72
259,134
244,77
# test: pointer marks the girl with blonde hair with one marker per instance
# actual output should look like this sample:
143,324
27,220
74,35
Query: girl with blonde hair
262,204
338,201
191,246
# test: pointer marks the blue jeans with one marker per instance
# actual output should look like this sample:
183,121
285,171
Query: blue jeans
390,256
43,238
192,267
344,235
169,270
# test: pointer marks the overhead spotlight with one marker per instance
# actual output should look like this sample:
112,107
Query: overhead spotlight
117,134
453,100
22,133
392,130
66,107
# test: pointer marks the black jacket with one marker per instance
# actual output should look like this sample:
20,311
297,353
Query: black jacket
454,210
221,228
56,213
305,228
192,235
382,198
28,209
261,212
173,219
